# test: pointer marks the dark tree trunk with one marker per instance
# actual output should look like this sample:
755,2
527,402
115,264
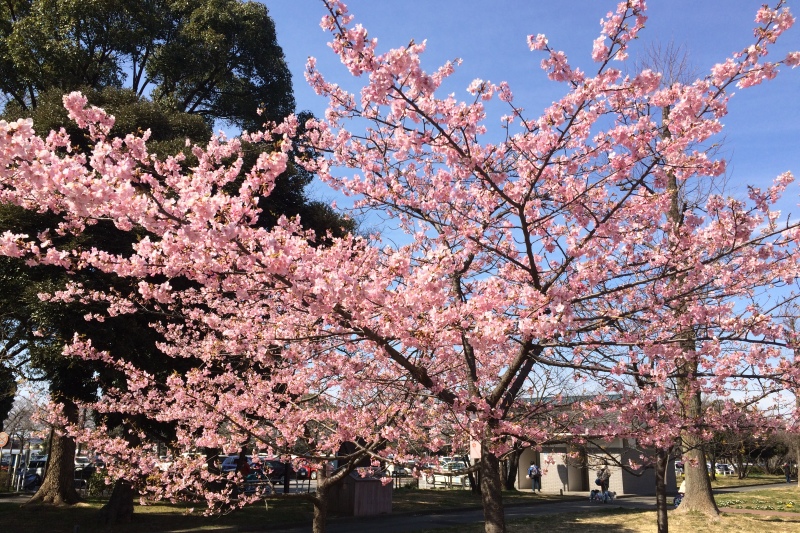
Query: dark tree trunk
58,485
474,482
491,491
510,469
797,437
504,468
119,508
712,473
662,461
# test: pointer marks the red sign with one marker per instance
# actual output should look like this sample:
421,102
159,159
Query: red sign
3,438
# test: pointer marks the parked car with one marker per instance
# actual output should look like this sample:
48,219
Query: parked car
274,469
254,477
451,459
400,470
33,474
307,471
36,466
450,474
84,468
230,463
725,469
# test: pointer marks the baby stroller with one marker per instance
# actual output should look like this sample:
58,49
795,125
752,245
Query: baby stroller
678,499
601,496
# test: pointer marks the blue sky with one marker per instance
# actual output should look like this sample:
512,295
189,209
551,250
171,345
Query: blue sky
762,130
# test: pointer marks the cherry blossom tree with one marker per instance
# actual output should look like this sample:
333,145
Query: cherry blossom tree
547,242
558,248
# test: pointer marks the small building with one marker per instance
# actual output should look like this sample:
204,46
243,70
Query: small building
361,494
569,468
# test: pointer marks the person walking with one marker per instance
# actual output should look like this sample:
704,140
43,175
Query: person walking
535,475
787,470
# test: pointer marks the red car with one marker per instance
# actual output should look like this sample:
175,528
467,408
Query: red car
307,471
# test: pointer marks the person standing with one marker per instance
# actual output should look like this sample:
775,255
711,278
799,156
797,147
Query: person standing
535,475
604,476
787,470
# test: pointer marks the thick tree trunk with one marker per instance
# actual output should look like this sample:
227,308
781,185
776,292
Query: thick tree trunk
662,461
699,496
119,508
58,485
491,491
321,506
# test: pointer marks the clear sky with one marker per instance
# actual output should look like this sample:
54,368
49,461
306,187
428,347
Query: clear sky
762,130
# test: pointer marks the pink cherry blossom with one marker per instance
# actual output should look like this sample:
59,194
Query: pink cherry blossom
562,257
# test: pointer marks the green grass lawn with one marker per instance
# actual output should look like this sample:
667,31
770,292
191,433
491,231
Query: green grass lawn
753,479
774,499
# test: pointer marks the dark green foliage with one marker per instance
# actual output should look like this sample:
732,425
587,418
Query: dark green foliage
8,389
223,62
218,59
169,129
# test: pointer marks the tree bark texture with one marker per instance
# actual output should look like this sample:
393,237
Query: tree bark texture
58,485
491,491
662,461
699,496
119,508
321,506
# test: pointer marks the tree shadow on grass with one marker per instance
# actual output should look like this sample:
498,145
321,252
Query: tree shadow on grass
576,522
614,520
160,517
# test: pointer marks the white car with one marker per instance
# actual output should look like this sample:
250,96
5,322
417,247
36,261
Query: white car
451,474
725,469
